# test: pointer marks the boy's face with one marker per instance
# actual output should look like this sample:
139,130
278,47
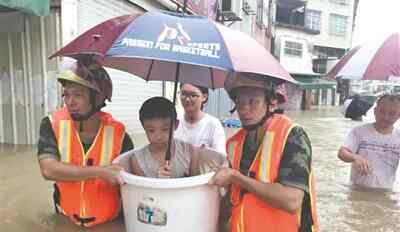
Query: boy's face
157,130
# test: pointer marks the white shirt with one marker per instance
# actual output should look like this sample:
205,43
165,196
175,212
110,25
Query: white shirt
180,160
208,131
381,150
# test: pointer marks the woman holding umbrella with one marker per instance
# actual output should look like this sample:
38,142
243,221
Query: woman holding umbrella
270,177
197,127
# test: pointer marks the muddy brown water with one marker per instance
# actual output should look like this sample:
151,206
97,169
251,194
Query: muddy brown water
26,199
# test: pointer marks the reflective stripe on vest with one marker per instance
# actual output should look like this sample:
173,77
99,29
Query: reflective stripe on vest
241,224
107,145
94,198
249,211
64,139
264,172
64,143
265,166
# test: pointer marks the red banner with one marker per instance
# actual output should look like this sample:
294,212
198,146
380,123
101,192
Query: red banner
201,7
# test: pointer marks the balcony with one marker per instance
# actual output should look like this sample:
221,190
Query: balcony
291,14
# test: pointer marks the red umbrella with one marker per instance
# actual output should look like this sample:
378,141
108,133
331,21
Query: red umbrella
151,45
374,61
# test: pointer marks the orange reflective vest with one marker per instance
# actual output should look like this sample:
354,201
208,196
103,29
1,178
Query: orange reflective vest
92,201
249,212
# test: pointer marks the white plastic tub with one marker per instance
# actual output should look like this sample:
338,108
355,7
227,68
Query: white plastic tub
169,205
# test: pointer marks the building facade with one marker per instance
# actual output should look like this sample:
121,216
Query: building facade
307,37
27,78
252,17
301,34
310,35
28,85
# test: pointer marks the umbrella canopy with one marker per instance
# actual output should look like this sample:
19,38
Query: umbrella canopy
173,46
35,7
375,61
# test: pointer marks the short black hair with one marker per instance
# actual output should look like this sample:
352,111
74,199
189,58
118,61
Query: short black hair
390,97
157,107
202,89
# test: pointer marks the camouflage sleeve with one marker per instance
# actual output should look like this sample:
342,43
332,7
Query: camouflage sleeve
47,145
295,165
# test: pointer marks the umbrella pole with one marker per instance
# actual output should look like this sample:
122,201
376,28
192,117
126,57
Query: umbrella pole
172,122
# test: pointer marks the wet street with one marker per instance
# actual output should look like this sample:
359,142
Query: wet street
341,208
26,199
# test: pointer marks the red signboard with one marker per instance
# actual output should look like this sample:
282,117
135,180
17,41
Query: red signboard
201,7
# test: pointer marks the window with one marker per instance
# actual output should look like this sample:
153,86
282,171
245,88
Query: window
226,5
290,15
340,2
293,48
338,25
313,20
320,65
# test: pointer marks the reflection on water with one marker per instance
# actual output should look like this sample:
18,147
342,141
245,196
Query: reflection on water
340,207
26,200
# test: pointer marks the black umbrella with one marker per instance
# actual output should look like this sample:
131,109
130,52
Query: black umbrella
359,106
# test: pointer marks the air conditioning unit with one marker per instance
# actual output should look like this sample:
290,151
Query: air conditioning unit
226,13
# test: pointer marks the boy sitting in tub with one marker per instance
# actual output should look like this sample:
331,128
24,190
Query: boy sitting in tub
155,116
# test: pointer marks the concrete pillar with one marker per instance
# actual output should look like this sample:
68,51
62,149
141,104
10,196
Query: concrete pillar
321,97
333,97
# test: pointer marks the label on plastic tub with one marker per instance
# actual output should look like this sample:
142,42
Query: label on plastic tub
149,213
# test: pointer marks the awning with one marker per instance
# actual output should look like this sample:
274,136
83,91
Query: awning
12,22
321,84
36,7
313,81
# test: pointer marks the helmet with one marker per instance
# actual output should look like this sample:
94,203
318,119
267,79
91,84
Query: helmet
88,74
91,75
236,81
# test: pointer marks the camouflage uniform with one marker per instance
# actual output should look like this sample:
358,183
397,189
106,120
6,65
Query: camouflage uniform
295,163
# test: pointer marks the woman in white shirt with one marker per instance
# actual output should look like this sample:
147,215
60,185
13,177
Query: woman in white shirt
197,127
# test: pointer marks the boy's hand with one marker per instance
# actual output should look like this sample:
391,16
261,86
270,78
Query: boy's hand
165,170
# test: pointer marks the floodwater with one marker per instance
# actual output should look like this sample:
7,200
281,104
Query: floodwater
26,199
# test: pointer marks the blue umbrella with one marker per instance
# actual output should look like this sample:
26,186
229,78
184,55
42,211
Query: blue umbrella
175,47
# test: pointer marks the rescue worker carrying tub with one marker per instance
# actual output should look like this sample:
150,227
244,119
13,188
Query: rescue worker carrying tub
78,143
270,178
